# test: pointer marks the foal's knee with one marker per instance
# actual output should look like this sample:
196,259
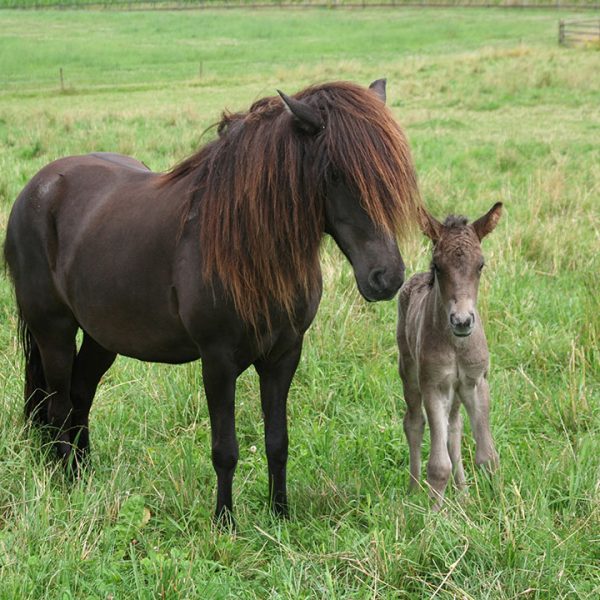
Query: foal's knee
414,421
438,473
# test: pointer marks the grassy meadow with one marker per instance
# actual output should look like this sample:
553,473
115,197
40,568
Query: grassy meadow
494,110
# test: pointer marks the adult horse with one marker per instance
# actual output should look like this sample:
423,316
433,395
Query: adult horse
217,259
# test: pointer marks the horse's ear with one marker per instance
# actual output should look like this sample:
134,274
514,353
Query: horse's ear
430,226
378,86
488,222
308,119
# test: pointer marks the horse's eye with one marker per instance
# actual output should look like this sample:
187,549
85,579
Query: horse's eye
480,267
334,177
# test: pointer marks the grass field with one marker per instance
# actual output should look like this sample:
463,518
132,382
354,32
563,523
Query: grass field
494,111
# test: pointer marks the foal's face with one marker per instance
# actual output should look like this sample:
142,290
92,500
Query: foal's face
457,264
374,256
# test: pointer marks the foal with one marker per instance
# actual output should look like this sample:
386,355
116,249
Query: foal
443,352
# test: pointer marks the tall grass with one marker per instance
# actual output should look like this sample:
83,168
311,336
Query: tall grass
494,111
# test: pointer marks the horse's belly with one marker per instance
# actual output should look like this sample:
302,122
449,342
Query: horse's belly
144,335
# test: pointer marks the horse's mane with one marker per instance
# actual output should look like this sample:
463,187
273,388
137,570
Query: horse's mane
259,190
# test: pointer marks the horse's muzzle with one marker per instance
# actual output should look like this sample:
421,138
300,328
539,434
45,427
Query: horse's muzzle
383,284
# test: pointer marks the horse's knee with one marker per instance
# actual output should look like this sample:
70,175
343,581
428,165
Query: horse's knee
276,448
225,458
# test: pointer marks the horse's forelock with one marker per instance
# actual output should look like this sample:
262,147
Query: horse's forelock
366,145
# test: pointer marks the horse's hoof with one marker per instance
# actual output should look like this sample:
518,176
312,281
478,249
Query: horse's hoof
281,510
224,520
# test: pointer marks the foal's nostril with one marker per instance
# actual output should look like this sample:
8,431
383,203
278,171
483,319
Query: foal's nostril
377,280
462,322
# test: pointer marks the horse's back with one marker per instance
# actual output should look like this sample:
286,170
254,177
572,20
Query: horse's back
94,237
63,194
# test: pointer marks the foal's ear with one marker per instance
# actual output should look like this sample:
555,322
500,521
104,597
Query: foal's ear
378,86
307,118
488,222
430,226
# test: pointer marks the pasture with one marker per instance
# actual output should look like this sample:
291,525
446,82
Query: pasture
494,111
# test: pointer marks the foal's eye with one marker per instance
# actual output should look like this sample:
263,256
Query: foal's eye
480,267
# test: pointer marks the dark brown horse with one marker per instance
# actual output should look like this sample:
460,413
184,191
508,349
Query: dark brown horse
217,259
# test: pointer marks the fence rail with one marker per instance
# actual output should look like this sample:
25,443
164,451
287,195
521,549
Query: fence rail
583,31
210,4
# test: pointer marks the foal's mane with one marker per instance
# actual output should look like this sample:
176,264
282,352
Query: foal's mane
259,190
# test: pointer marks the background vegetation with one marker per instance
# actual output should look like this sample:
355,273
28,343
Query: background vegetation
494,111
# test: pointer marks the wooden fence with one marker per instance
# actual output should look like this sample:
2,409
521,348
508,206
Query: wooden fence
349,4
584,31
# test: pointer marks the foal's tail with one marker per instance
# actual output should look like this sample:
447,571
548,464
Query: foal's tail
36,398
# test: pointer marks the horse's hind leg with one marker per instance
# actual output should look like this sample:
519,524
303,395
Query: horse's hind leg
56,343
91,363
36,397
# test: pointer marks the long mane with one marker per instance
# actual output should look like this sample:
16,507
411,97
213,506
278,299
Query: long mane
259,189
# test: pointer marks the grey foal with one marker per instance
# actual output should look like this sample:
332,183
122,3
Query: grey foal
444,356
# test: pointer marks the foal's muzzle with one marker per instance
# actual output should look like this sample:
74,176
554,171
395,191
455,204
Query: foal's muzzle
462,324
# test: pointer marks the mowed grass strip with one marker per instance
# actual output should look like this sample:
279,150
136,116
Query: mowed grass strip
494,111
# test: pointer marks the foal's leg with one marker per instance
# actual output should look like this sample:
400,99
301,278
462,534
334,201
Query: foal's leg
219,377
56,342
275,379
91,363
439,467
476,399
455,429
414,426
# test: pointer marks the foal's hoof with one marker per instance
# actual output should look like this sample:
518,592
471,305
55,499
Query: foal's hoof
489,464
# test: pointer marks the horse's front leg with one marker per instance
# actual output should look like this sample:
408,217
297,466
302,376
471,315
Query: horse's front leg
219,377
275,379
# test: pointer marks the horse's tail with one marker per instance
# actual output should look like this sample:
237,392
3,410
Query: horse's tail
36,397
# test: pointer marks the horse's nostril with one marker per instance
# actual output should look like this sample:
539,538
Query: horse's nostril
377,280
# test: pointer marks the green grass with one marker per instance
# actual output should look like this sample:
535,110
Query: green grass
494,111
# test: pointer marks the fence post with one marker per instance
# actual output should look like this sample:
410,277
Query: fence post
561,32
